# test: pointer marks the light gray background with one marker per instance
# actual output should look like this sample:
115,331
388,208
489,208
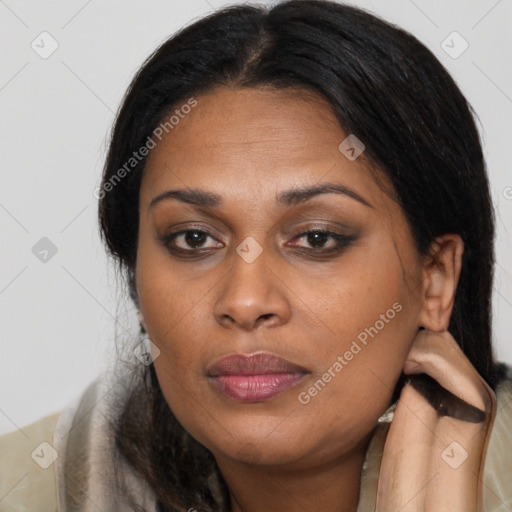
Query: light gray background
57,317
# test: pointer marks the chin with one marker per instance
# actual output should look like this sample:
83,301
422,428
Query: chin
262,452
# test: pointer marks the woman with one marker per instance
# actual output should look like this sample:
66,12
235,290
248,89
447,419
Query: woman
298,201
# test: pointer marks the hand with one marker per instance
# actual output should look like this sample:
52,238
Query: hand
434,454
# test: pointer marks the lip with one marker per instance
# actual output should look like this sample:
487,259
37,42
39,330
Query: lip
254,377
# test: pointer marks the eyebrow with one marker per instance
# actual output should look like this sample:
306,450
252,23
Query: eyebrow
198,197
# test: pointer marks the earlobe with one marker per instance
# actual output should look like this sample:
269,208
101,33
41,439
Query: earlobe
441,274
142,323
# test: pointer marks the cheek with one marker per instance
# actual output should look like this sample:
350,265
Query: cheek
368,324
171,306
367,301
357,380
173,321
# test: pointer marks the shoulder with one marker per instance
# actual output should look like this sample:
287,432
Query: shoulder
33,457
27,477
498,464
90,473
68,461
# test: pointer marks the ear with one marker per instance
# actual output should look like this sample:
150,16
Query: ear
441,273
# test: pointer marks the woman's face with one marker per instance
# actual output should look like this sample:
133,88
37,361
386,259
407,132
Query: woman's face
241,277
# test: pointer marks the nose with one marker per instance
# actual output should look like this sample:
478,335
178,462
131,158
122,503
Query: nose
252,295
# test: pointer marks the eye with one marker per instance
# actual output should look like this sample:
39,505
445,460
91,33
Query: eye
193,242
318,239
188,241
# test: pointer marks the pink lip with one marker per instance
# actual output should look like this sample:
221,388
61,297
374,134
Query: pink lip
254,377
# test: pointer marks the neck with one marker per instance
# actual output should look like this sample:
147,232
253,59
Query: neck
329,487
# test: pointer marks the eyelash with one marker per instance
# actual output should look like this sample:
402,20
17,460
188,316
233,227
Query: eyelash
342,240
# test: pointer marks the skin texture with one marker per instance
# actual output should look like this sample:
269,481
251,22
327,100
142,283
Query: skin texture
297,299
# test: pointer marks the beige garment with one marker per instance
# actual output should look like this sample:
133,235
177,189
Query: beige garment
26,486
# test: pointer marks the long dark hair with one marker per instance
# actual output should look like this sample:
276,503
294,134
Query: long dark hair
385,87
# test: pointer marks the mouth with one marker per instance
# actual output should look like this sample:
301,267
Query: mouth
254,377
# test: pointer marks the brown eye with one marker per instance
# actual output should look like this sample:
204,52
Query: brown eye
188,240
195,238
319,238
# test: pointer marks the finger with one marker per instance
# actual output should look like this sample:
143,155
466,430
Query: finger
437,354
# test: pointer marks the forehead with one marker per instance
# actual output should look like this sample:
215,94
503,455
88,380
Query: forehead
247,144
